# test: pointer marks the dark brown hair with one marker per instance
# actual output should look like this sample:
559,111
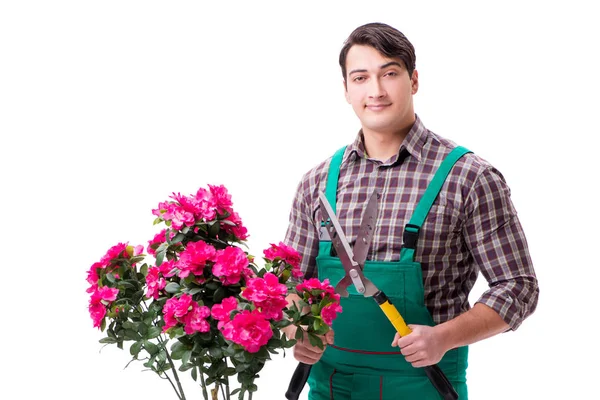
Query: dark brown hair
389,41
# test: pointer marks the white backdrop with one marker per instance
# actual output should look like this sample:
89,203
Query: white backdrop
107,107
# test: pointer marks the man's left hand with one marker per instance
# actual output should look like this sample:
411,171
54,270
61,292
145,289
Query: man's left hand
422,347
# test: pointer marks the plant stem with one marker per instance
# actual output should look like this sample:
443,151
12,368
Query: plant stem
204,392
225,396
181,394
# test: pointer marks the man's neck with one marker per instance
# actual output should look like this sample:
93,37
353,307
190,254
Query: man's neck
382,146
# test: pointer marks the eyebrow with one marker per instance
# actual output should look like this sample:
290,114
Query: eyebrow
381,67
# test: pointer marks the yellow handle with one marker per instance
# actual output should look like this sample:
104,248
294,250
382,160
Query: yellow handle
395,318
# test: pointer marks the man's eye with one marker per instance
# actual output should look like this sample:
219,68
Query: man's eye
359,79
391,73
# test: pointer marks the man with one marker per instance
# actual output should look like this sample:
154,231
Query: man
472,226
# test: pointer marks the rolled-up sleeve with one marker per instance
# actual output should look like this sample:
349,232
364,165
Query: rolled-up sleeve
497,243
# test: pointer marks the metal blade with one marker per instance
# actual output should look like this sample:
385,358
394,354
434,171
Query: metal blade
367,229
336,234
344,252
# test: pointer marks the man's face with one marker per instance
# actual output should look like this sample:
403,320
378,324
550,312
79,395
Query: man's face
380,91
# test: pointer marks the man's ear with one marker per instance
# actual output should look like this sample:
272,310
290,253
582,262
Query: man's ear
415,81
346,91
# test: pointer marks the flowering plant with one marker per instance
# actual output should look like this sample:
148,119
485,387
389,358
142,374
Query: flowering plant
203,304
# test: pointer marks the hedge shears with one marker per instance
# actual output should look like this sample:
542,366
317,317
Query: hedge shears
353,260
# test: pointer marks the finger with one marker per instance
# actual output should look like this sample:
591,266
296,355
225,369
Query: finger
405,341
306,355
329,337
310,350
395,341
408,351
421,364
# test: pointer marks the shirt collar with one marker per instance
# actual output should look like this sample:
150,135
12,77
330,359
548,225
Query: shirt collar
413,143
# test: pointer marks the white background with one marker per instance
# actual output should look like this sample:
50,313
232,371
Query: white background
107,107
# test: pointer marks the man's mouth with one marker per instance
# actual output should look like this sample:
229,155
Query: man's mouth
377,107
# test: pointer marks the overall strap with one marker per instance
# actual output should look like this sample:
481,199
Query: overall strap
332,177
331,195
411,230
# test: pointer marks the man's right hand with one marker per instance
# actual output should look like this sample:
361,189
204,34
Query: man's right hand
306,353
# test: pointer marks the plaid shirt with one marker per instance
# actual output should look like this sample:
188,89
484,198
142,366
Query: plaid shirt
472,226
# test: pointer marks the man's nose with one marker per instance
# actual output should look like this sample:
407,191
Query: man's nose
376,90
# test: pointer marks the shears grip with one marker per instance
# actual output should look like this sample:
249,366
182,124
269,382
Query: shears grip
440,382
434,373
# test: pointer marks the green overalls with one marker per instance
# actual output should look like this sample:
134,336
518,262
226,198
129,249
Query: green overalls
362,364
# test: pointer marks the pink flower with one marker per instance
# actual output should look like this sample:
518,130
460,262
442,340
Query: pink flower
221,312
195,320
158,239
185,311
168,268
261,289
283,252
273,308
329,312
230,264
249,329
154,282
267,294
314,291
174,309
162,209
286,254
100,300
194,258
237,229
114,252
314,284
92,276
204,205
222,198
97,312
180,217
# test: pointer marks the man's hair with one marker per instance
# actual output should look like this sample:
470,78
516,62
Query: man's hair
389,41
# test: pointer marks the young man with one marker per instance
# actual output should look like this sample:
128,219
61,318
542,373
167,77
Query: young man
472,226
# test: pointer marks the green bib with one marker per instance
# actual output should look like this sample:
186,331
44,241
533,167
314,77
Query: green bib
362,364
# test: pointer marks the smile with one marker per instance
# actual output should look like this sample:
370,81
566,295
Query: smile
377,107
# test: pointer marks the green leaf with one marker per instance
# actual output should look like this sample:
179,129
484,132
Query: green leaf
172,287
153,332
143,330
132,335
160,256
186,367
111,278
315,340
315,309
125,285
108,340
177,239
213,229
186,357
135,348
242,367
215,352
151,348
